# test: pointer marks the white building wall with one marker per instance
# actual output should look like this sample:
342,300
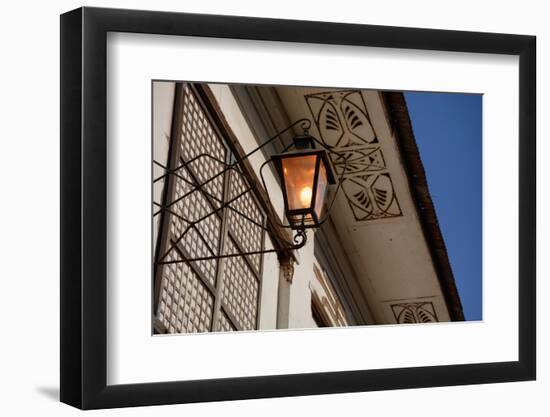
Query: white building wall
163,108
300,294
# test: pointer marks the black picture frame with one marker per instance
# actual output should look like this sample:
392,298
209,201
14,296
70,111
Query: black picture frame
84,207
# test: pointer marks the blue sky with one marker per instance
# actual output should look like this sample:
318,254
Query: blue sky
447,128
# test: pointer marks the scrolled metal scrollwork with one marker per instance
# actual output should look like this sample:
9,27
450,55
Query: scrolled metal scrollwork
300,239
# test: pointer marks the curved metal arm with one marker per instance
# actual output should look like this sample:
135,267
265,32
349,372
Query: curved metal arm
300,240
306,124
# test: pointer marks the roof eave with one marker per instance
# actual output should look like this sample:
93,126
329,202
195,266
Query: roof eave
401,123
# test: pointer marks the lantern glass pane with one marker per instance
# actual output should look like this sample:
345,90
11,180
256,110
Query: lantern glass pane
299,173
321,190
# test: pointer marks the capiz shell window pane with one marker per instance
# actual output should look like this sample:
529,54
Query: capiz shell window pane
299,173
322,183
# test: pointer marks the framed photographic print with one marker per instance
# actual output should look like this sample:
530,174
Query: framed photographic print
257,208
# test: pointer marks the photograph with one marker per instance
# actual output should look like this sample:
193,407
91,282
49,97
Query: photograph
300,207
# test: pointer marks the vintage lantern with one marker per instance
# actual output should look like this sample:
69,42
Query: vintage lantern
305,174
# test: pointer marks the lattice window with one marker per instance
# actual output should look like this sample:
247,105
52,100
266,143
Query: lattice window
240,290
203,238
206,212
186,304
224,324
250,238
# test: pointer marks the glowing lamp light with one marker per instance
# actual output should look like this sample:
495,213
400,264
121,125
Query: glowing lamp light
305,174
305,196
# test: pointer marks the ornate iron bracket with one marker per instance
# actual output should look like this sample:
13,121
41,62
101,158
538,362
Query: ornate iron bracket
300,236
